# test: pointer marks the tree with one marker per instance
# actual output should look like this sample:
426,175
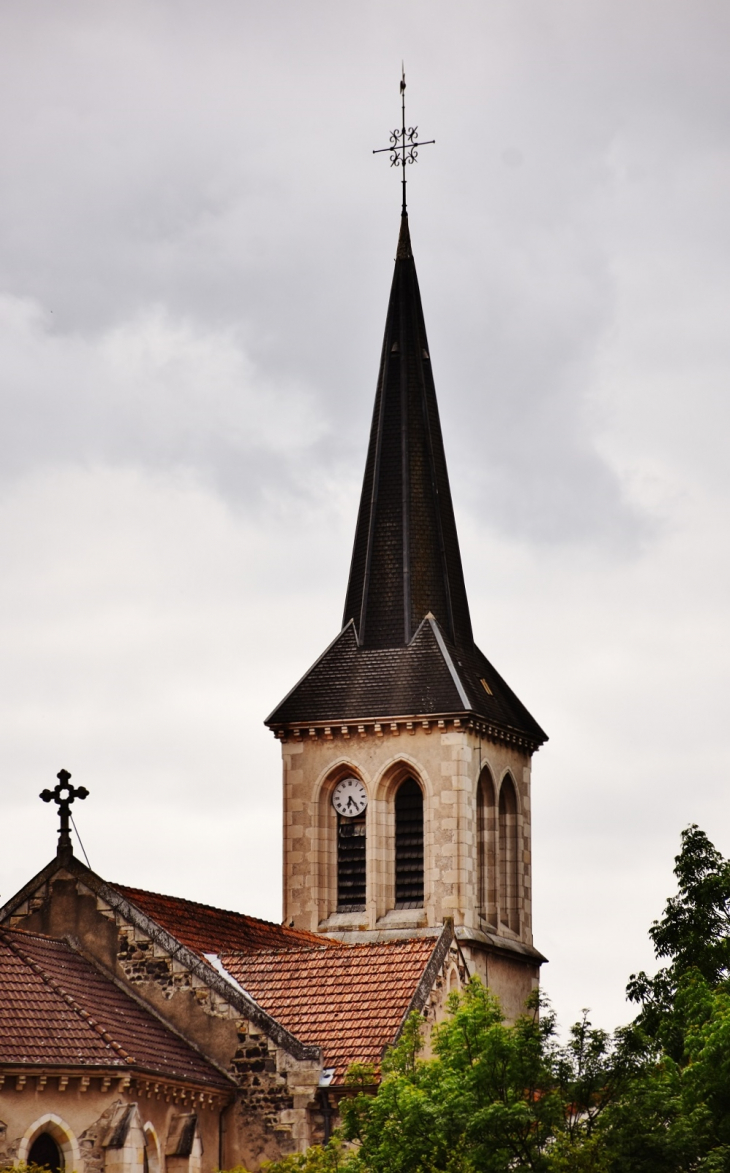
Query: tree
693,934
493,1098
499,1098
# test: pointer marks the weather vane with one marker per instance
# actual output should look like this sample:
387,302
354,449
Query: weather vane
64,804
404,143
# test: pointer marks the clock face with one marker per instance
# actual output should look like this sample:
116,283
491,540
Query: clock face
350,797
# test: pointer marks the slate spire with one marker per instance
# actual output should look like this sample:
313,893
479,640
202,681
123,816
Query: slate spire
406,561
406,647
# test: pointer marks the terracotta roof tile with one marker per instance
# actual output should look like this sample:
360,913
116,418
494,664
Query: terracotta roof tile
349,1001
57,1009
216,930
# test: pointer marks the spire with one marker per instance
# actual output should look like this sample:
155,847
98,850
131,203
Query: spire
406,561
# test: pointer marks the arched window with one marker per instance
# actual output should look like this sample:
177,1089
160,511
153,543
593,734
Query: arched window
509,912
45,1151
151,1150
409,845
351,844
486,853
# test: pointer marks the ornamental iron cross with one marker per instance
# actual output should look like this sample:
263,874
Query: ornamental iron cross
404,143
64,803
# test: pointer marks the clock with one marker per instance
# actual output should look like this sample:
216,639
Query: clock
350,797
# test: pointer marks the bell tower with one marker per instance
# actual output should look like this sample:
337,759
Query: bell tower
407,757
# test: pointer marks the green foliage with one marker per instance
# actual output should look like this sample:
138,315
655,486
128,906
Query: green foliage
331,1158
492,1098
499,1098
693,934
24,1167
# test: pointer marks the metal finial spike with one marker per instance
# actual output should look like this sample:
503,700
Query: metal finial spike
63,801
404,143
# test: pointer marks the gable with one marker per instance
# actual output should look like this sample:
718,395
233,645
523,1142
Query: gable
174,981
352,1002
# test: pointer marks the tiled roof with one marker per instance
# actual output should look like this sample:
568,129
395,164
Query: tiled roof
215,930
350,683
348,1001
57,1009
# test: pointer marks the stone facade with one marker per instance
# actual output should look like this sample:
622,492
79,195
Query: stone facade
277,1077
80,1114
477,839
276,1103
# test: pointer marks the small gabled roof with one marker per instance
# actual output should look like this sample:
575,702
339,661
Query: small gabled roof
351,1002
215,930
430,677
57,1009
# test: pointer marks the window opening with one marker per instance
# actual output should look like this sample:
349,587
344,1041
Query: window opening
351,863
45,1151
508,864
409,845
485,847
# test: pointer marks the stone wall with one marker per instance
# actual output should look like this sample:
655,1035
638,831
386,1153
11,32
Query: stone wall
276,1090
77,1112
447,759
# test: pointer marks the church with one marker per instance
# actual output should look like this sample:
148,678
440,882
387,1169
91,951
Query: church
144,1033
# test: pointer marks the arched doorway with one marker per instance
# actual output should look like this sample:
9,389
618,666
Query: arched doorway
44,1151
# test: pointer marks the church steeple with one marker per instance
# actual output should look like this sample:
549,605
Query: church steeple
406,647
402,713
406,561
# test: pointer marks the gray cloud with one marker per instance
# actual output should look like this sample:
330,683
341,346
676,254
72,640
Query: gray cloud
195,251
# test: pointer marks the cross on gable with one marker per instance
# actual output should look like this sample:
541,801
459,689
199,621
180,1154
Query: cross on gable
63,795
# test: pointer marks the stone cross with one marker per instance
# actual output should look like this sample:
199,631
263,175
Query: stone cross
64,794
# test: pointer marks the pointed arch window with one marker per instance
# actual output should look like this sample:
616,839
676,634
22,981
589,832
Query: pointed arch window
486,862
409,845
45,1151
509,913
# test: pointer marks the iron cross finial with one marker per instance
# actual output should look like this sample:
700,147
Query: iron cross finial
404,143
64,804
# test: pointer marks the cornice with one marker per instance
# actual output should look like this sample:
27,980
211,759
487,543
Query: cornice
379,727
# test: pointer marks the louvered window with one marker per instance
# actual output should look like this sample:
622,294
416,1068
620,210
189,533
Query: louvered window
351,864
409,845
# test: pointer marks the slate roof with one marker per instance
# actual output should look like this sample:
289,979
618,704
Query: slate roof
428,678
57,1009
406,559
215,930
350,1002
406,564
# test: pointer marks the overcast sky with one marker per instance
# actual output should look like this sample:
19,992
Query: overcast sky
196,247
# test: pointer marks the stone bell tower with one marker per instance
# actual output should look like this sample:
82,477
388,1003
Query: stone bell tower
406,755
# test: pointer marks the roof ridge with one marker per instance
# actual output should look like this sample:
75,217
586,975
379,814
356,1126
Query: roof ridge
345,945
211,907
57,988
32,933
